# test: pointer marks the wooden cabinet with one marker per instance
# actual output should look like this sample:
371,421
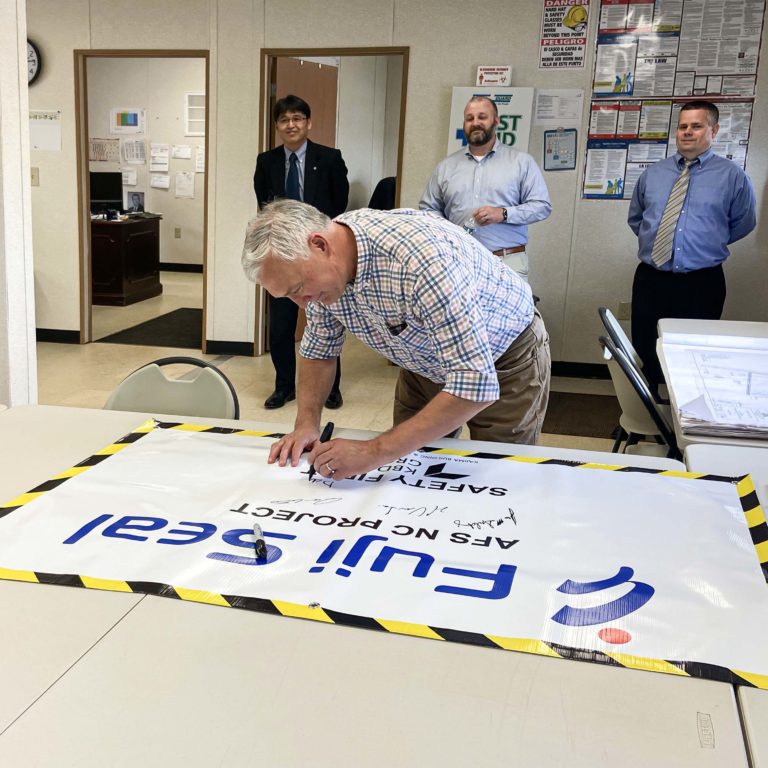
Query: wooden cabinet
125,261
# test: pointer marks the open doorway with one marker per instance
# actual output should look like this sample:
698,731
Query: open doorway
142,171
357,97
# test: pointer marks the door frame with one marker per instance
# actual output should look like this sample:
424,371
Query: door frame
83,178
266,131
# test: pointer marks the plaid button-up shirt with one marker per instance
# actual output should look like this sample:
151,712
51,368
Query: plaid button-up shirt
427,296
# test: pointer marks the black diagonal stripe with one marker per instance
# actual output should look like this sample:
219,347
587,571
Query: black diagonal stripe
562,463
48,485
92,461
647,470
759,533
484,455
583,654
353,620
131,437
8,510
711,672
722,478
62,579
252,604
152,588
750,501
459,636
167,424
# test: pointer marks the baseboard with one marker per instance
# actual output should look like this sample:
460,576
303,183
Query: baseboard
57,336
581,370
168,267
242,348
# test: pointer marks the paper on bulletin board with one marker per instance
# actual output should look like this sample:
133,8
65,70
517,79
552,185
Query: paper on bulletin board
159,157
127,120
104,150
160,181
181,151
134,151
45,130
577,561
199,159
130,177
185,184
559,108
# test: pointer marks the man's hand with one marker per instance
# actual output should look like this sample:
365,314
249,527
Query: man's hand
342,458
291,446
488,215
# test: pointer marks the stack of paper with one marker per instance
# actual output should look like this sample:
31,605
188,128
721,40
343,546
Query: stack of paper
720,384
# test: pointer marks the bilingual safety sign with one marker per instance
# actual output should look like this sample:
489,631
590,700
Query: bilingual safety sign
544,556
564,25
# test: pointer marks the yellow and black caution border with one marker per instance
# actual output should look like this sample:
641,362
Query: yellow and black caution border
752,511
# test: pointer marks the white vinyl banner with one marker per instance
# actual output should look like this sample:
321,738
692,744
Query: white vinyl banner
515,106
648,569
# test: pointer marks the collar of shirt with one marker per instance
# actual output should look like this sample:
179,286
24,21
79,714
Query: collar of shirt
301,153
702,158
492,151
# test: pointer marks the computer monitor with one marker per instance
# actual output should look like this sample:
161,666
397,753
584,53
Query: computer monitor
106,191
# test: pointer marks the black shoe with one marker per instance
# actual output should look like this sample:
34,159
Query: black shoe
334,401
279,398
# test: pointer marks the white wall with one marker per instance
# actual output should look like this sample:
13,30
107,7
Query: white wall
157,85
582,256
18,371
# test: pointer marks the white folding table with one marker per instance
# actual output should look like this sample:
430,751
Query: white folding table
155,682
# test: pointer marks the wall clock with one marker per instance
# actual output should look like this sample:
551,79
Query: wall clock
34,62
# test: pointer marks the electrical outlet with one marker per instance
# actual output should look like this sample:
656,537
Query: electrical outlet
35,177
625,310
177,233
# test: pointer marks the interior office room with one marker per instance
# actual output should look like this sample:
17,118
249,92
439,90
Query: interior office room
176,60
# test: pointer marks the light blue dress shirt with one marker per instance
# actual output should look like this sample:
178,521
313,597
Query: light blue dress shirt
504,178
719,209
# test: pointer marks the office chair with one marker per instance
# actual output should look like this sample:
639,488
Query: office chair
148,389
641,416
618,337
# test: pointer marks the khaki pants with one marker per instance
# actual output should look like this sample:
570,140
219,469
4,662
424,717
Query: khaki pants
518,415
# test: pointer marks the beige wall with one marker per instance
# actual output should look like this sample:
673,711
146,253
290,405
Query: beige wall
582,256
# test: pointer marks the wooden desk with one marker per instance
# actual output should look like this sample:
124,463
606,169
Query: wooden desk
125,263
166,683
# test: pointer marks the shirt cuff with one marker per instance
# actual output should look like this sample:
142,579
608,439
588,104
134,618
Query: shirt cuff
473,385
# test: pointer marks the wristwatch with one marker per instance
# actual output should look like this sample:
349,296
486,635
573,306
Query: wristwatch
504,214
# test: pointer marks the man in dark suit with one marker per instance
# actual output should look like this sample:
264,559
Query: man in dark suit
299,170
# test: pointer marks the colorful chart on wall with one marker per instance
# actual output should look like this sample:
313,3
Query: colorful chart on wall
655,570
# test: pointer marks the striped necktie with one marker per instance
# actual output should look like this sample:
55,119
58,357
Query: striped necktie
665,235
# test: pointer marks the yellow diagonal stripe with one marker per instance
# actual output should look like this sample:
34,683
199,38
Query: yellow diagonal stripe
745,486
761,681
110,450
111,585
254,433
7,573
754,516
191,427
525,459
302,611
201,596
590,465
450,452
680,473
641,662
523,645
762,551
405,628
71,472
25,498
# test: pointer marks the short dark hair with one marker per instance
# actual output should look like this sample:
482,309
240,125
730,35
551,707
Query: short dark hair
713,113
478,97
291,103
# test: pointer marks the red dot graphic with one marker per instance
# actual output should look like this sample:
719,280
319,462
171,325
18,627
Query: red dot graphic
615,636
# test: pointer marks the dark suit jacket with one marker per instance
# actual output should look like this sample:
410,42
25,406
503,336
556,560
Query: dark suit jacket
325,178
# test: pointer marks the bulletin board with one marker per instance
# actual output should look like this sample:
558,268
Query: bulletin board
650,59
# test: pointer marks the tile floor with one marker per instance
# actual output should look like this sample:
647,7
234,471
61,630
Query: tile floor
85,375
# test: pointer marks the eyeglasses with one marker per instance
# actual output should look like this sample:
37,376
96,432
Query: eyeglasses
284,121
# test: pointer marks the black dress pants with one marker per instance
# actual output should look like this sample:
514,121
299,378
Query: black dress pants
655,294
283,316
